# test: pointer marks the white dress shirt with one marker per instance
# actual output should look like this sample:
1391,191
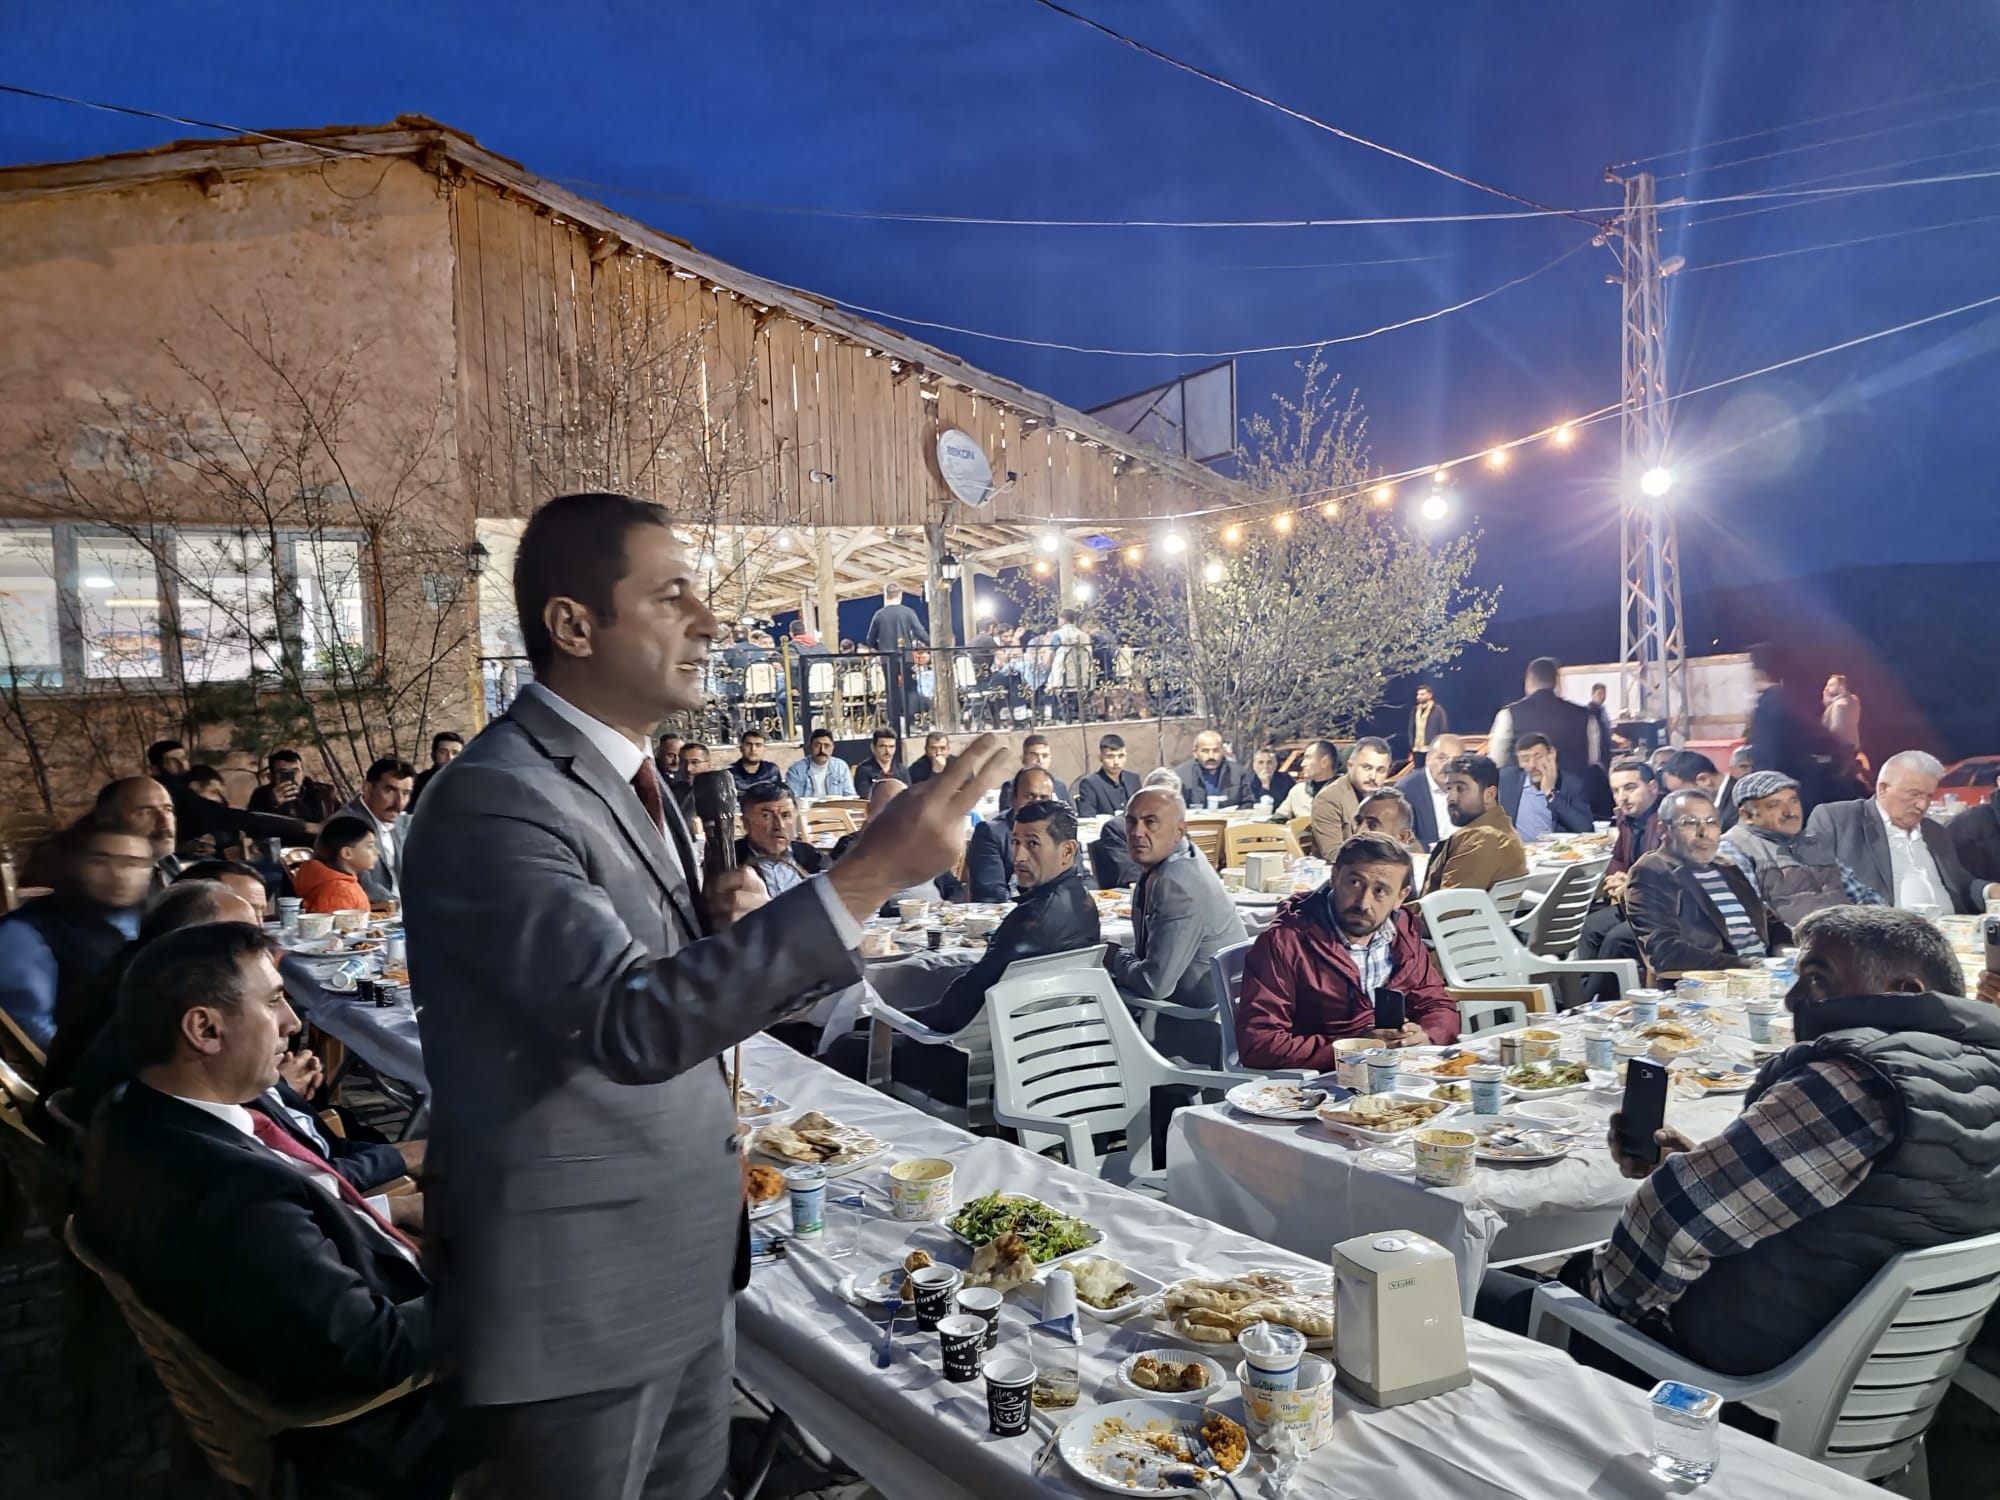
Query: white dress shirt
1440,807
625,758
1913,872
327,1181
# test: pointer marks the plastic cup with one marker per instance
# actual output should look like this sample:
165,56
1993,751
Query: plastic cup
1759,1014
1597,1047
964,1339
912,911
1644,1006
396,949
314,925
1484,1079
936,1286
983,1303
1384,1067
1351,1062
1444,1157
920,1189
1686,1441
1271,1353
1215,804
1008,1385
288,914
807,1186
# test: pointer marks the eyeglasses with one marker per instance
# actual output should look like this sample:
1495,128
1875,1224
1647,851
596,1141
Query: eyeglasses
1689,825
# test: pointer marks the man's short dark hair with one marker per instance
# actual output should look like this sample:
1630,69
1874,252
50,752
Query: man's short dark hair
1111,742
759,792
797,627
201,775
880,735
1485,775
1686,765
177,971
1375,849
1387,795
1032,741
820,732
1888,945
339,834
1544,671
1369,742
286,754
446,737
748,735
215,869
573,548
1533,740
1638,766
390,768
159,750
1327,748
1025,772
1061,821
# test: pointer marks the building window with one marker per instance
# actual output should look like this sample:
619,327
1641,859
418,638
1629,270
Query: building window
80,604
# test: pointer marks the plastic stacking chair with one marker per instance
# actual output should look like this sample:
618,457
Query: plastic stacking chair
1068,1062
1227,966
231,1424
1481,1014
1478,951
1239,839
1554,923
1859,1397
1507,894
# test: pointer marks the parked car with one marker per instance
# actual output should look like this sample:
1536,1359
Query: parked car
1967,782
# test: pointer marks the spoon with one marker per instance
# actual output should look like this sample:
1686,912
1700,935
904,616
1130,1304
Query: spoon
885,1351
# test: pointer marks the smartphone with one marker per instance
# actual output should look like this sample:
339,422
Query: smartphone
1993,945
1391,1010
1644,1110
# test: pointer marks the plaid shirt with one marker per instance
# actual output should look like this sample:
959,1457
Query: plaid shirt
1375,959
1803,1146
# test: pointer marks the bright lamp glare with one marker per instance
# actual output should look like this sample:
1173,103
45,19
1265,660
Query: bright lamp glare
1133,554
1231,535
1656,482
1384,493
1564,435
1434,507
1497,459
1173,541
1330,509
1212,572
1051,542
1083,592
1042,567
1438,474
1283,523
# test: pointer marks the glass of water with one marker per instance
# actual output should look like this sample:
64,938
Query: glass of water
836,1241
1687,1440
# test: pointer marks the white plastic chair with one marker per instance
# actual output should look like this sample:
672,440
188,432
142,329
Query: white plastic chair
1068,1062
1478,951
1554,923
1475,1016
1227,965
1859,1397
1507,894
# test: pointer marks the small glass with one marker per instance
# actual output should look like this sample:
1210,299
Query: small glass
1687,1440
836,1240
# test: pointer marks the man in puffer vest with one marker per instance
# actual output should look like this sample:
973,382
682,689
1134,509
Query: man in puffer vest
1877,1133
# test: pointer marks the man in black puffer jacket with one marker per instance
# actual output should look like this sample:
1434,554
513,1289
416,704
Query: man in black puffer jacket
1877,1133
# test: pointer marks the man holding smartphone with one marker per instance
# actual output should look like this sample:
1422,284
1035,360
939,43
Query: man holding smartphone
1870,1137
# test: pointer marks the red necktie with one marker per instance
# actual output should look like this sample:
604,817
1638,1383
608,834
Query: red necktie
647,784
280,1140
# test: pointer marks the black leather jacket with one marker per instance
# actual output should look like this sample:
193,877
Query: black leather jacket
1055,918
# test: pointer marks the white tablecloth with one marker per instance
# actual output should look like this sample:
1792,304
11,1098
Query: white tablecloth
1532,1425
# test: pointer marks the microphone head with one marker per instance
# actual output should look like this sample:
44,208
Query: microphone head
715,808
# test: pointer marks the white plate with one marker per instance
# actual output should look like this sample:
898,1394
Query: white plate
1306,1285
1175,1356
770,1206
1096,1232
1551,1112
1246,1097
1541,1146
1121,1466
1515,1091
1738,1083
1149,1287
1397,1159
1379,1137
769,1107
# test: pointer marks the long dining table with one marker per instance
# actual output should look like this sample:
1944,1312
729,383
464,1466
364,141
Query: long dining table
1532,1423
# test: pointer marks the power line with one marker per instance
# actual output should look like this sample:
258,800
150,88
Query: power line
1841,114
1866,239
1809,200
1305,119
1345,338
189,121
1762,195
1839,140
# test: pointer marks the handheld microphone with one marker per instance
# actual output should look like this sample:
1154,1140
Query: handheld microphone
715,810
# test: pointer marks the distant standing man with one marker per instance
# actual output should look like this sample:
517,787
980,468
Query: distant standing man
895,631
1842,717
584,1193
1428,720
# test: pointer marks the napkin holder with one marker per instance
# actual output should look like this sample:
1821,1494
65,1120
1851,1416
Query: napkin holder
1264,872
1399,1333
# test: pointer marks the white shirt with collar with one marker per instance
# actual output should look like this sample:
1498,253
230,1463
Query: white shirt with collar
1440,807
327,1180
625,758
1912,870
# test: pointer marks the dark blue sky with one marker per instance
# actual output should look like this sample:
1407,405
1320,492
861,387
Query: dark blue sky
1002,107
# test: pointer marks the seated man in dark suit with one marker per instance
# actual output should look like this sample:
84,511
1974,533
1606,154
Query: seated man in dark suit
1537,796
989,854
1111,862
1688,910
1892,847
1105,791
770,816
245,1241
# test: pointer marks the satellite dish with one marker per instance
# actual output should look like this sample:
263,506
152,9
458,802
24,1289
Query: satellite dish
962,463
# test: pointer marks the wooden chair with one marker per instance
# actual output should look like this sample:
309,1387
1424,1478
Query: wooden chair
231,1424
1239,839
1300,829
823,819
1206,835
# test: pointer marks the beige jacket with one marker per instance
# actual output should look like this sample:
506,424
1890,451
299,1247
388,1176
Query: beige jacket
1333,813
1478,856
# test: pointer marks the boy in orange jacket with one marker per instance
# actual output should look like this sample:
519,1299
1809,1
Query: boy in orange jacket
326,882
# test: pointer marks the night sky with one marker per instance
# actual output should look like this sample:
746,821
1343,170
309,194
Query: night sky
1883,453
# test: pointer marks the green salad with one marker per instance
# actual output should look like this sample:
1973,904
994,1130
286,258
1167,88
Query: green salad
1555,1075
1048,1232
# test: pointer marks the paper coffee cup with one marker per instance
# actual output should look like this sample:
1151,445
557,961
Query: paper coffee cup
1444,1157
1272,1353
963,1337
1759,1014
982,1302
1644,1006
1009,1382
936,1286
920,1189
1350,1061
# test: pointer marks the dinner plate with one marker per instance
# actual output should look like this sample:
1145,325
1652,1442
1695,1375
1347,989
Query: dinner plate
1097,1234
1381,1137
1149,1287
770,1206
1734,1083
1536,1146
1250,1098
1175,1356
1553,1113
1103,1445
1307,1286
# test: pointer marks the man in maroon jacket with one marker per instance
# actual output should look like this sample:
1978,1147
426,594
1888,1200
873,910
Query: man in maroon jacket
1314,973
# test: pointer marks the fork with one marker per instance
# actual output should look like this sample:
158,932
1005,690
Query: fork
885,1351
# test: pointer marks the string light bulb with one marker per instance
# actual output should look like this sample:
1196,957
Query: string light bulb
1563,436
1330,510
1231,535
1051,542
1496,458
1133,554
1174,543
1438,474
1384,493
1212,571
1041,567
1083,592
1282,522
1085,561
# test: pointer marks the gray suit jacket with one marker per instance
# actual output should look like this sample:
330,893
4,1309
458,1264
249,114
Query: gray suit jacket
1181,916
583,1194
380,883
1854,832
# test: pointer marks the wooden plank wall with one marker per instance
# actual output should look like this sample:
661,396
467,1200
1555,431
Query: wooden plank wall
536,309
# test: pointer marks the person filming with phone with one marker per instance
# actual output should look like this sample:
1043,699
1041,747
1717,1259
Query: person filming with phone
1875,1133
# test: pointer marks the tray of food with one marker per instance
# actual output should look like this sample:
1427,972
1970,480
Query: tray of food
1442,1062
1545,1079
756,1106
1048,1234
1730,1078
1449,1093
1214,1309
1275,1099
1382,1117
1109,1290
1669,1039
1170,1372
1515,1141
1131,1446
764,1188
814,1139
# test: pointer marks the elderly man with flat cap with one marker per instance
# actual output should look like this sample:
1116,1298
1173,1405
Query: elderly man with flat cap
1794,872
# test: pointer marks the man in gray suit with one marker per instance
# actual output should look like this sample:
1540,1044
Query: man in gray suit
1181,916
584,1193
382,805
1890,845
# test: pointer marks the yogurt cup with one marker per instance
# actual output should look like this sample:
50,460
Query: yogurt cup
1350,1056
1444,1156
920,1189
1539,1044
1384,1066
1597,1047
1643,1006
1271,1355
350,921
1300,1417
1484,1081
807,1185
1758,1015
912,911
315,925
